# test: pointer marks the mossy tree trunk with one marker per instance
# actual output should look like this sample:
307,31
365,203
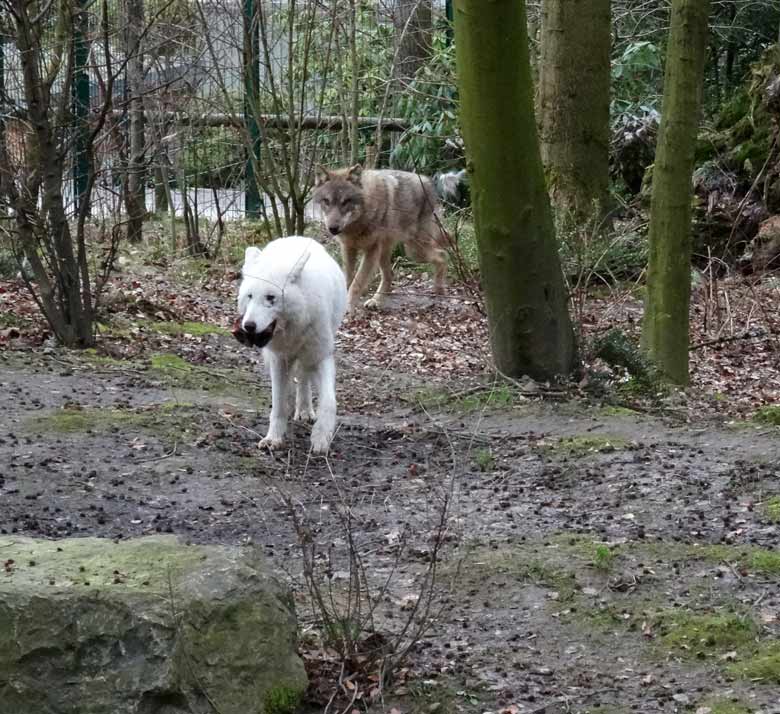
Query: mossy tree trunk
574,87
665,326
530,328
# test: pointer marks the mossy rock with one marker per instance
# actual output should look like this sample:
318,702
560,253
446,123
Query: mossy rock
148,625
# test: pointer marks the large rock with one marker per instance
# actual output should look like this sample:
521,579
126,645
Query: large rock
147,626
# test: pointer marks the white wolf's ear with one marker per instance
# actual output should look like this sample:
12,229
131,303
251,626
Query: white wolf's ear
295,274
251,254
321,175
354,173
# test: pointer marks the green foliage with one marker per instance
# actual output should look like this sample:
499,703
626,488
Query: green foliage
592,254
637,78
431,106
619,350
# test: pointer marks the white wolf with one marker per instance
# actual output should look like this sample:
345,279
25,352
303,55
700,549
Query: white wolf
292,299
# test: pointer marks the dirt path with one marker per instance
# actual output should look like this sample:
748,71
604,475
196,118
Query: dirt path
596,560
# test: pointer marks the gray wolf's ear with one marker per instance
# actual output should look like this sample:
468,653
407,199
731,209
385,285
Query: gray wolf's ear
354,173
321,175
251,254
297,269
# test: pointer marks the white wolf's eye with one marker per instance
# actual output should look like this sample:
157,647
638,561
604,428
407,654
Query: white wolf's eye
249,296
271,298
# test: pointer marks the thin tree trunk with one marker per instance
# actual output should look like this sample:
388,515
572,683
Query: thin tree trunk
413,23
530,327
135,196
574,87
665,326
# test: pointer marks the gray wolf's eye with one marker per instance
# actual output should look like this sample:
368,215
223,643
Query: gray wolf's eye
325,202
271,298
346,204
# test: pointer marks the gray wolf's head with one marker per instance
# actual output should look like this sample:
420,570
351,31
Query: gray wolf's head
339,195
269,297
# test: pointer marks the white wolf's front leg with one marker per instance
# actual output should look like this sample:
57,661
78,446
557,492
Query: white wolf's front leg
280,402
322,431
304,409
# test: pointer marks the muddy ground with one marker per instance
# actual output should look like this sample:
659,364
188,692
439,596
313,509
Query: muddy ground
596,559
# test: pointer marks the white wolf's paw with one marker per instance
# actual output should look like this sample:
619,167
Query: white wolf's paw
270,442
373,303
305,415
320,441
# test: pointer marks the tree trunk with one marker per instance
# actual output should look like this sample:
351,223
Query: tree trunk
574,89
665,326
530,328
413,24
135,199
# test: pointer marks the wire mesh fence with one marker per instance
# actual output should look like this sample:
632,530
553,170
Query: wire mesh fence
204,109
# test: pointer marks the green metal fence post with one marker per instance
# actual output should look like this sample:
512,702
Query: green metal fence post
252,201
80,104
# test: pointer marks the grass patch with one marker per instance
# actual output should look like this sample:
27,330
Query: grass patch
577,446
613,410
166,420
603,557
170,363
704,636
521,563
485,397
763,665
483,458
196,329
772,509
768,415
723,706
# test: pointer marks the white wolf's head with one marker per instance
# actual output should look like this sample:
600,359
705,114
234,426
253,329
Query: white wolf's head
339,195
269,297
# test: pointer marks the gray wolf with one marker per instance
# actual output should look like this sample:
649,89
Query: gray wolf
369,212
291,301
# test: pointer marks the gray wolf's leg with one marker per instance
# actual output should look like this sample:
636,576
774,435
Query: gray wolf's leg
386,269
363,277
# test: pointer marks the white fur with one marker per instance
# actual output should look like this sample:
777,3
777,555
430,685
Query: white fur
294,281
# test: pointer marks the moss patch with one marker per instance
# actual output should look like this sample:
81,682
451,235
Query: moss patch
281,700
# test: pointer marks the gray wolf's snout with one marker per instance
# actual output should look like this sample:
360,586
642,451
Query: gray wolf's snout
335,230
